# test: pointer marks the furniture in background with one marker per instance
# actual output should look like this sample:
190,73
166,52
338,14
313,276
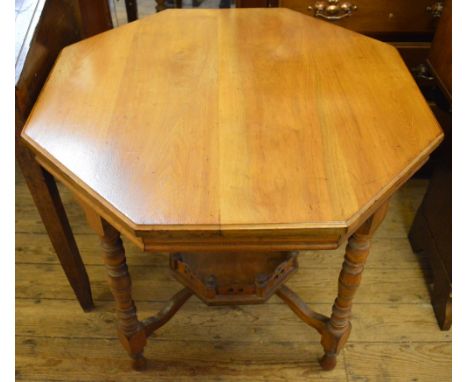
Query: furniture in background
440,57
285,146
131,7
43,28
431,231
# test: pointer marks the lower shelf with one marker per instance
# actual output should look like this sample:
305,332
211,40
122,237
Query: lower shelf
233,278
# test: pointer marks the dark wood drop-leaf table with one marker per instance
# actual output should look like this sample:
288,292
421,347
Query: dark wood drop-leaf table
232,139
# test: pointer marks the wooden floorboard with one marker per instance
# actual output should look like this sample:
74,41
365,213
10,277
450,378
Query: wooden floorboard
395,336
155,283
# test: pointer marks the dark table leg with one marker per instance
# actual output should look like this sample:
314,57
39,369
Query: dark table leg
47,200
132,10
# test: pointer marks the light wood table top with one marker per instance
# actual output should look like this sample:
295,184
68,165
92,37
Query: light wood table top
219,120
232,139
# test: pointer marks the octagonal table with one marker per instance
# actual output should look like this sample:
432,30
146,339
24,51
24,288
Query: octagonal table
232,139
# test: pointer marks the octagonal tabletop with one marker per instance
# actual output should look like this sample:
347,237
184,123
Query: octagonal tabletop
232,118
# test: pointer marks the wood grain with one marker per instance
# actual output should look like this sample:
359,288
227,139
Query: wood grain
242,323
282,134
384,362
41,360
156,282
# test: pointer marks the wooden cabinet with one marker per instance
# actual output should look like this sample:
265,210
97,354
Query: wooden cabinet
390,20
431,231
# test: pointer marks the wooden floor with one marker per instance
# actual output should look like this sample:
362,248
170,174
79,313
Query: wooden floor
394,338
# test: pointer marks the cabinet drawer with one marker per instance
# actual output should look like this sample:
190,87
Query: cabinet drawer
385,19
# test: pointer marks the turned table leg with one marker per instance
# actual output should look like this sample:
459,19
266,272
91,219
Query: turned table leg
131,331
338,327
334,330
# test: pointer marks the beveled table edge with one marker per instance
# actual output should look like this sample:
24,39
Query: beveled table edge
279,236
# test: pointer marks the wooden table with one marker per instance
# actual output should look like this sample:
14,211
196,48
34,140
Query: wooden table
258,134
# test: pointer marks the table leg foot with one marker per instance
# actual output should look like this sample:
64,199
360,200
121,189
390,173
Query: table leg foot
138,362
333,341
328,361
